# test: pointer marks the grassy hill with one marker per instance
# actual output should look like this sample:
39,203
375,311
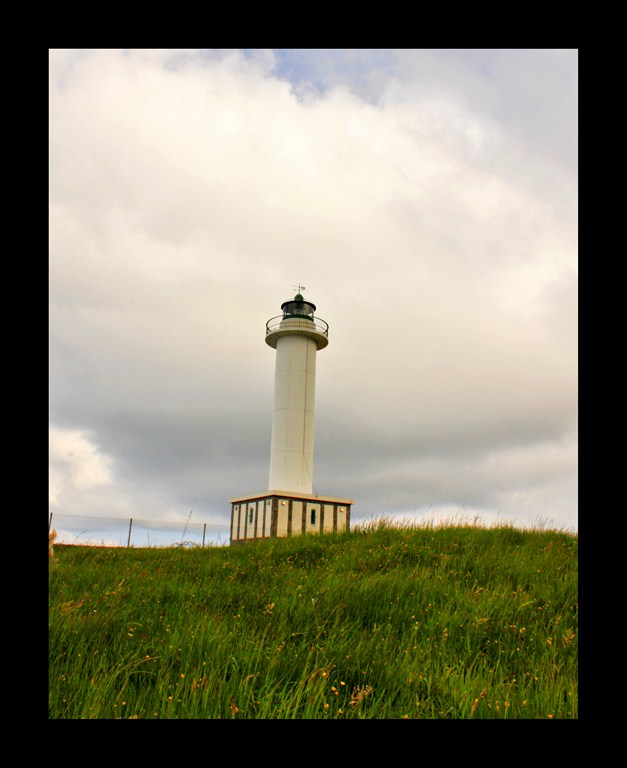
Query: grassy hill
418,622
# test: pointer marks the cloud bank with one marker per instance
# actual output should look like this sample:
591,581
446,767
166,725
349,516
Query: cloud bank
428,201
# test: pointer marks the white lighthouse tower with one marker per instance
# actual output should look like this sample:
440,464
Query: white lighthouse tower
290,506
297,335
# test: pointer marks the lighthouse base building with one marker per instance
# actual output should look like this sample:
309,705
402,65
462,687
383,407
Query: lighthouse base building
276,513
296,335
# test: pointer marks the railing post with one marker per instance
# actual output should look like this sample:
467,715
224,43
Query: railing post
204,531
130,528
49,522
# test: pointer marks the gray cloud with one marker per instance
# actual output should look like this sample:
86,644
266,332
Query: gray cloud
421,197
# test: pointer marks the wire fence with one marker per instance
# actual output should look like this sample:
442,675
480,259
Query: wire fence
136,532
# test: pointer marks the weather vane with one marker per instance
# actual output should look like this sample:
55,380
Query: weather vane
299,288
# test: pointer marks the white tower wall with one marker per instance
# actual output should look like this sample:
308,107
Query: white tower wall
292,445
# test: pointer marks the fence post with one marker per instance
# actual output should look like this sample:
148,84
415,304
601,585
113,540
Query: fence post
130,528
49,522
204,530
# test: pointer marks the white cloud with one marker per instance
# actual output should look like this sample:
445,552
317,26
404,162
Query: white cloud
75,462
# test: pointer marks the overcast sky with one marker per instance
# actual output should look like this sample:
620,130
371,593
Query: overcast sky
426,199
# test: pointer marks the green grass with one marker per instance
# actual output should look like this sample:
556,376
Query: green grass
417,622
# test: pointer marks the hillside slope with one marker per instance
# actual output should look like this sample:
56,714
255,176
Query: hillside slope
453,622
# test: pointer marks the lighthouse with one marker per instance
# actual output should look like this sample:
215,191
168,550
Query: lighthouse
290,506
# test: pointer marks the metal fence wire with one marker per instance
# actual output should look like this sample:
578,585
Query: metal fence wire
136,532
